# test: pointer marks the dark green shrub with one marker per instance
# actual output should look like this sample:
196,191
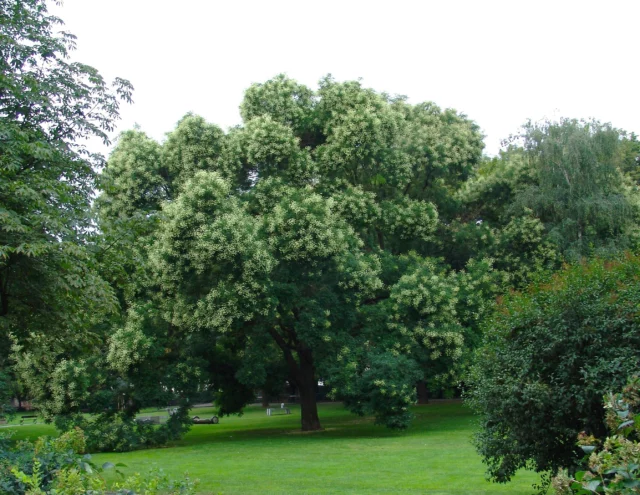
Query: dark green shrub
122,433
549,355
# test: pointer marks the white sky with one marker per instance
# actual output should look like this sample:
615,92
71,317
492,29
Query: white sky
499,62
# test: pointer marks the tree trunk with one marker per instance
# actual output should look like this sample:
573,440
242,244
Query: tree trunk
4,297
303,373
265,399
306,381
423,393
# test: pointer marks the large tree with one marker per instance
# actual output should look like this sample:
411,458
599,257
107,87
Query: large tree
570,175
303,237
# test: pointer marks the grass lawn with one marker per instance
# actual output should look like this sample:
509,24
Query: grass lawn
269,455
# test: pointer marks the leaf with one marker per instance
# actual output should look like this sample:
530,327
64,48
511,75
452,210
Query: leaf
593,485
378,180
626,424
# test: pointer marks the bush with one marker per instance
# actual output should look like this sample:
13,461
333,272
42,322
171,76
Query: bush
122,433
549,355
614,468
57,467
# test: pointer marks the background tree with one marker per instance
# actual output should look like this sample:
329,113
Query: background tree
579,192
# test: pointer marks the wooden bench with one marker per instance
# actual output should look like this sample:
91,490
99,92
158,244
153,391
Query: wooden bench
29,416
198,421
273,410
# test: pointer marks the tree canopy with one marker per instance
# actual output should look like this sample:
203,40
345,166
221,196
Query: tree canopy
53,299
305,235
50,289
337,234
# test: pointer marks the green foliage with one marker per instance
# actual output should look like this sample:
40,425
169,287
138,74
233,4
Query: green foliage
549,355
206,228
385,388
135,179
56,467
490,192
269,255
444,147
52,295
580,193
31,468
631,157
6,394
283,100
194,145
613,467
522,250
121,432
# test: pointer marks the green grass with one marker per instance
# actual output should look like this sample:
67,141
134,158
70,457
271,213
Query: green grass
269,455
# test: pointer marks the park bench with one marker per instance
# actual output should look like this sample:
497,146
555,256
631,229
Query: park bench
198,421
29,416
149,420
274,410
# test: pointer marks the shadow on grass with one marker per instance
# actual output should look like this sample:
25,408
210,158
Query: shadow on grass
338,423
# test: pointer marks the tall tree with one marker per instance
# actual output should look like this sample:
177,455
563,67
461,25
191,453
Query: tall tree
50,290
580,193
295,233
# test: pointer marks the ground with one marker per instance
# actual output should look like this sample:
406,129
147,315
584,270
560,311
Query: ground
255,453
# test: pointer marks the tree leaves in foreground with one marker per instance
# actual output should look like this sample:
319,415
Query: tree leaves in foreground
51,293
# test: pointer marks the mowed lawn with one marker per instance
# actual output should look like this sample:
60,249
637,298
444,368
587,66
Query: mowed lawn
258,454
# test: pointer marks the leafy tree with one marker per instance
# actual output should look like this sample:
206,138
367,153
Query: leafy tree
492,189
631,157
549,355
50,290
291,237
194,145
580,192
558,187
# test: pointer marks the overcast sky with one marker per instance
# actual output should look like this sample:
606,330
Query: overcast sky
498,62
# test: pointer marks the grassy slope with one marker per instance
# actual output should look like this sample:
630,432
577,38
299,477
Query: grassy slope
269,455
